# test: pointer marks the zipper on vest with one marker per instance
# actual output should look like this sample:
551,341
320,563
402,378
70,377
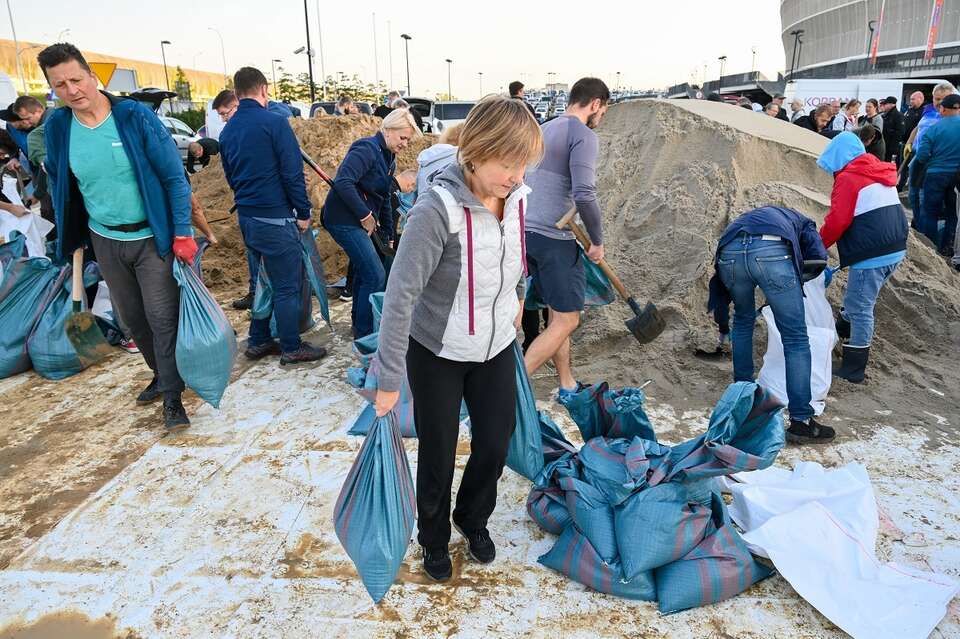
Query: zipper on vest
493,308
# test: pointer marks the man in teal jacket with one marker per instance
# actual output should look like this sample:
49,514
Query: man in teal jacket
119,187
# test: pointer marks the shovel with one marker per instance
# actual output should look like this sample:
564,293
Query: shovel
646,323
81,327
383,248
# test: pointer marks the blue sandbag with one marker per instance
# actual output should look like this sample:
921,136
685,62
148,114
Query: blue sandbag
206,344
51,352
26,282
546,504
525,452
375,511
573,556
599,411
592,515
718,568
262,306
313,270
13,249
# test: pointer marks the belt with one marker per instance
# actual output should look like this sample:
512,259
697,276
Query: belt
128,228
775,238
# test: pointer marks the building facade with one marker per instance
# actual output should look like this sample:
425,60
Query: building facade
834,38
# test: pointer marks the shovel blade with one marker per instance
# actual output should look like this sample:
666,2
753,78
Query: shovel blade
647,325
86,338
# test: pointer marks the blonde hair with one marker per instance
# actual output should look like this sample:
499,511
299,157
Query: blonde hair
451,135
499,128
400,119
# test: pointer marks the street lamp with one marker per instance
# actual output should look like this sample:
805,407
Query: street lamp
796,33
449,89
870,39
16,48
274,69
723,61
618,82
306,22
222,55
480,73
163,53
406,46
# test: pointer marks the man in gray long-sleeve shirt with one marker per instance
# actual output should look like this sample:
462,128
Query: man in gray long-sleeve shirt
565,177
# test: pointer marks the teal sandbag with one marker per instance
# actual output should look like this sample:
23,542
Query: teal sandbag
546,504
599,411
574,556
26,282
376,306
525,451
14,248
402,410
375,512
717,568
592,515
51,352
313,269
206,344
262,306
597,292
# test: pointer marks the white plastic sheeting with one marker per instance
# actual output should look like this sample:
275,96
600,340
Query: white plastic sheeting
823,336
819,527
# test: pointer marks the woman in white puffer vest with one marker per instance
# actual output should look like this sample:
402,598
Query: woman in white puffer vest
450,318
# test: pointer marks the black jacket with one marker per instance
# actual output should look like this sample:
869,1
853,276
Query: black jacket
782,114
892,130
910,120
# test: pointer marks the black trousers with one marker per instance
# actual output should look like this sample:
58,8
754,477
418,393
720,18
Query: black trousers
530,322
490,391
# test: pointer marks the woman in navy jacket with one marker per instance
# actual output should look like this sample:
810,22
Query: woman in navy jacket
358,206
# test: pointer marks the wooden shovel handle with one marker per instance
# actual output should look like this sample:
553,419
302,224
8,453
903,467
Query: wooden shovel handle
567,222
77,279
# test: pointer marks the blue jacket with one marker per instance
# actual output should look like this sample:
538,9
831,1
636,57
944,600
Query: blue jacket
262,163
156,164
363,185
941,146
798,231
279,108
20,137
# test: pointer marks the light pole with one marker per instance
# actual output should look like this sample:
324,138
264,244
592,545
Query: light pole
274,69
323,69
449,89
406,46
16,48
222,55
618,82
796,33
480,73
163,53
723,61
306,22
753,60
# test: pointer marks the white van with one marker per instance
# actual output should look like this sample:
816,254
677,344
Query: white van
8,91
815,92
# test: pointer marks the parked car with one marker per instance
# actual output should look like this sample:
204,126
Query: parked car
424,108
182,134
447,114
326,106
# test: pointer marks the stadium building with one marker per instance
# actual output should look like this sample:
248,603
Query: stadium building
835,38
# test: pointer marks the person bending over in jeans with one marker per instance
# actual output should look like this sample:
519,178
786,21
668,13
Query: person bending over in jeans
451,313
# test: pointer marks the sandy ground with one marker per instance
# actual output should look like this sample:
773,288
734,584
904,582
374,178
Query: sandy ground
108,528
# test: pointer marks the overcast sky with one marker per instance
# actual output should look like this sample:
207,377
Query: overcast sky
652,44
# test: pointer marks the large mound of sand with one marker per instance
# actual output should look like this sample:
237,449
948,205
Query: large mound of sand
326,140
672,175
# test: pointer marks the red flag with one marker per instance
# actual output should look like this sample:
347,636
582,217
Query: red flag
934,27
874,48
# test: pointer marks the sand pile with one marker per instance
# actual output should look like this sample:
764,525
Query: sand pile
672,176
326,140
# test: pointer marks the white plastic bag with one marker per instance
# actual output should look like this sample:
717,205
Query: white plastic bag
823,336
819,527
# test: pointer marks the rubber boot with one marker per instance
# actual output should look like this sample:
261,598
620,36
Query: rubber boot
843,326
854,363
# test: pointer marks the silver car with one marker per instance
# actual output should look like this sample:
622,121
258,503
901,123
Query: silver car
182,134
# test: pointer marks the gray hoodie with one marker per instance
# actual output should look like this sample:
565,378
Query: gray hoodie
457,279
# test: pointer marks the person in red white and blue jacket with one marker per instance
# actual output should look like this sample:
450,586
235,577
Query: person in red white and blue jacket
868,225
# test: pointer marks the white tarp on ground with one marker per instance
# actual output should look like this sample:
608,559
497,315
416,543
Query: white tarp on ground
823,335
34,227
819,527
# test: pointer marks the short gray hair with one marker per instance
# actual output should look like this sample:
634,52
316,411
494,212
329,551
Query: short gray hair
945,87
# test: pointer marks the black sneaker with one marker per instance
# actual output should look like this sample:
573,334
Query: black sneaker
149,394
437,563
809,432
479,543
245,303
306,353
262,350
174,415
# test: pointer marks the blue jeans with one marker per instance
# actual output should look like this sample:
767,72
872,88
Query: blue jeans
914,197
746,263
280,248
863,287
253,264
369,276
939,202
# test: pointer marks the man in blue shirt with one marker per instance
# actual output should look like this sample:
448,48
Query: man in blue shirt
118,186
940,155
262,164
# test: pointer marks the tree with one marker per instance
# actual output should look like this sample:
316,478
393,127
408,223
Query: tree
287,89
182,85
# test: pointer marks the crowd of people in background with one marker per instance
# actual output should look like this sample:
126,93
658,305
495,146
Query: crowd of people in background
923,142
